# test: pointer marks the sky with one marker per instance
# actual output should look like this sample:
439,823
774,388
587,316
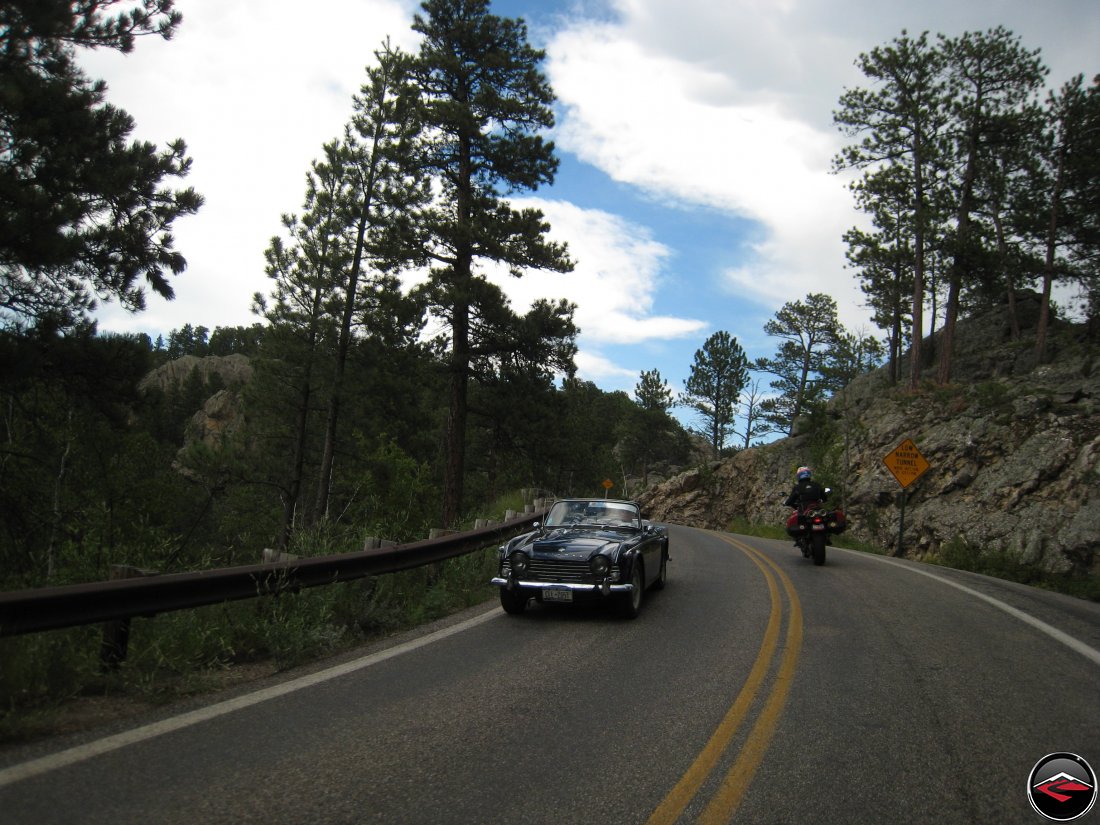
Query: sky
695,140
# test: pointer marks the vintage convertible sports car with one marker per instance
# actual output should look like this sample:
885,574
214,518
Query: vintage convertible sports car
587,549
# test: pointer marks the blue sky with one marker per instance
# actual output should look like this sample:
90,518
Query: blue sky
695,139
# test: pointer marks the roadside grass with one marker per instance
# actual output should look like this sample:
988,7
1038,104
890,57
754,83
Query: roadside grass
173,655
957,555
998,562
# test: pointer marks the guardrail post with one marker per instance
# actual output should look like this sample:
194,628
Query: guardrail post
272,556
116,633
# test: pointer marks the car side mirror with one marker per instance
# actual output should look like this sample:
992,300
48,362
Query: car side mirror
536,526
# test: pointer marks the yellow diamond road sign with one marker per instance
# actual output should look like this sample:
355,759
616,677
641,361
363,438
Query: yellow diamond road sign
906,463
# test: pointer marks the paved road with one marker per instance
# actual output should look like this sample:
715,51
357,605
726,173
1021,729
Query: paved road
754,688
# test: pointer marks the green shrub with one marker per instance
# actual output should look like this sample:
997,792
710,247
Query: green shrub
999,563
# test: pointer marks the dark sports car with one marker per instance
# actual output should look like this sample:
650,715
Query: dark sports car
587,549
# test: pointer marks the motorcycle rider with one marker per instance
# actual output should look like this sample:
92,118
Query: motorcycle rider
806,490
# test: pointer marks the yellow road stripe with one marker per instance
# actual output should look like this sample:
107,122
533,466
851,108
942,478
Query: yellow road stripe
724,804
680,796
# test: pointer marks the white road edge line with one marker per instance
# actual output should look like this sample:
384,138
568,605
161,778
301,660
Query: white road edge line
1090,653
61,759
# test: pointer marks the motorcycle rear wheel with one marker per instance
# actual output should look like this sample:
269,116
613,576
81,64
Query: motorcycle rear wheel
819,549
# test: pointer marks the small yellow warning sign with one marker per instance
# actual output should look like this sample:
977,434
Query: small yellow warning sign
906,463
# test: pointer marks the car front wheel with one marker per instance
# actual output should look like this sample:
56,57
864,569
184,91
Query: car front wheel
513,601
631,603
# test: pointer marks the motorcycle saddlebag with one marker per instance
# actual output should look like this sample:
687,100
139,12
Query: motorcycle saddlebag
841,521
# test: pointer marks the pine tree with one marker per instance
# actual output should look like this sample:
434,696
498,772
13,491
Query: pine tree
303,268
809,330
992,77
883,257
651,392
902,120
84,211
334,272
378,191
485,103
1065,193
648,431
713,387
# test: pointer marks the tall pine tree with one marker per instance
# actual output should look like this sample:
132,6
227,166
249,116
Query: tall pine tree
713,387
485,103
85,213
808,330
902,119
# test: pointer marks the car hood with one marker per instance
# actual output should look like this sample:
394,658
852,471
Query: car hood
576,543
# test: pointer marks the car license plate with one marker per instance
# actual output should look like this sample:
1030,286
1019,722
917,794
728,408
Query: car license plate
557,594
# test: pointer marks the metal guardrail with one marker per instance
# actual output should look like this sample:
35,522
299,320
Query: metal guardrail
51,608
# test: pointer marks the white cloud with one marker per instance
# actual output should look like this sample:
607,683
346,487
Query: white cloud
729,104
614,282
596,368
684,131
255,99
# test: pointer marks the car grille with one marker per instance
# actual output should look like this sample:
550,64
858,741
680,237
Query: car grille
546,570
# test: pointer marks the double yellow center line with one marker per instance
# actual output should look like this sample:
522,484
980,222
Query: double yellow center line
724,803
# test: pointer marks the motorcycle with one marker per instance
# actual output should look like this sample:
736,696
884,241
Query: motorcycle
810,525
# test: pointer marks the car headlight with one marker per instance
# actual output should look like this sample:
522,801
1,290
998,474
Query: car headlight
520,563
600,566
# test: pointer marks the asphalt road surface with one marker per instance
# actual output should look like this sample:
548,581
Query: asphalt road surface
755,688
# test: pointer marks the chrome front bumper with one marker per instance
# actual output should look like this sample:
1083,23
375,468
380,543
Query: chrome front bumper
604,588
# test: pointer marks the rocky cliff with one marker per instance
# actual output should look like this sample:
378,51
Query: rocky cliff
1014,449
233,370
221,413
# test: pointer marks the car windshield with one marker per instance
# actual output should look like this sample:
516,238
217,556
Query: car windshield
594,512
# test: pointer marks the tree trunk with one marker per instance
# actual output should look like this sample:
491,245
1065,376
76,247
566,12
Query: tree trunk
917,336
1048,264
947,342
462,275
1006,274
343,345
297,460
797,411
962,245
298,452
455,432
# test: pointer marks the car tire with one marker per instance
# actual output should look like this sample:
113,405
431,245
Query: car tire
514,601
662,575
630,604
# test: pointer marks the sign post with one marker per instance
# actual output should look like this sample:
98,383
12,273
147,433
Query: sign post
607,485
906,464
